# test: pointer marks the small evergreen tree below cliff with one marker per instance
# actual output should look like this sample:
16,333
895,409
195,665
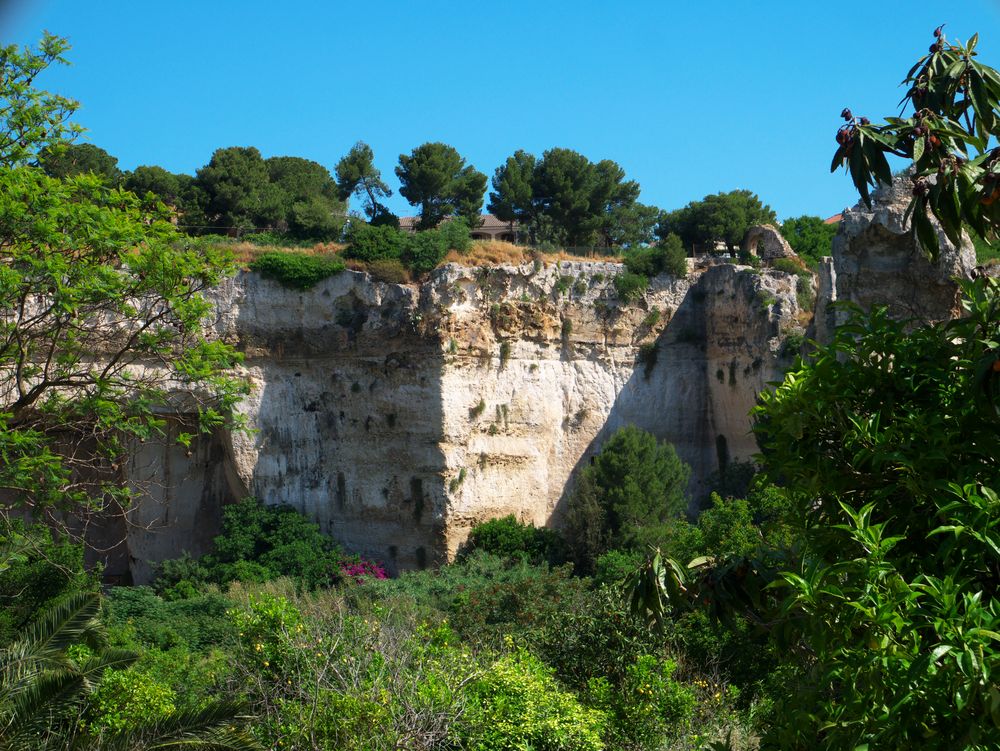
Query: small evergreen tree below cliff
627,497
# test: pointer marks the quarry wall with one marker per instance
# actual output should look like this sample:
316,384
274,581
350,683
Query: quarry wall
398,416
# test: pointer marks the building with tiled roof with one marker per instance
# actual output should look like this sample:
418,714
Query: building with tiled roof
490,228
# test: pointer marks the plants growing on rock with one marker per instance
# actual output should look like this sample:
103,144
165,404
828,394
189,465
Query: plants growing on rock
296,270
629,286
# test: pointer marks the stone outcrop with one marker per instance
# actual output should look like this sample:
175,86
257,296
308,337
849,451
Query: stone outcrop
766,242
398,416
877,262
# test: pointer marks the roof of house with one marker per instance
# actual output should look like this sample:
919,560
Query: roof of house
833,219
488,221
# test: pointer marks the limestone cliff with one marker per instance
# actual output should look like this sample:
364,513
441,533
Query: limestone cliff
877,262
398,416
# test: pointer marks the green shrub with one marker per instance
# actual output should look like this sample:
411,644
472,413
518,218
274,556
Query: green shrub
296,270
125,700
519,705
563,284
388,270
648,708
668,257
652,318
269,630
507,537
456,235
425,250
674,256
41,572
456,482
804,294
260,543
612,567
139,618
788,265
504,353
792,344
630,286
374,243
890,433
643,261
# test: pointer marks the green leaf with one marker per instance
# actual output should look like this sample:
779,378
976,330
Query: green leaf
925,233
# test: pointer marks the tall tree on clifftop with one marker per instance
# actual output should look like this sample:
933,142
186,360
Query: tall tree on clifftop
358,176
435,177
512,198
721,217
239,192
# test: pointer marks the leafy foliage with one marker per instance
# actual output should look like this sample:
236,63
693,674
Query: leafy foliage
259,543
435,177
899,527
512,199
948,137
32,120
629,286
296,270
507,537
357,175
53,697
420,252
43,572
722,217
627,496
668,257
101,262
518,704
810,237
67,160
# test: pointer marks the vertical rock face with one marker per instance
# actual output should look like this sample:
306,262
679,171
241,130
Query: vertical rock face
399,416
877,262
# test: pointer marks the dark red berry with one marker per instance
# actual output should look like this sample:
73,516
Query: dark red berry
937,31
846,113
865,121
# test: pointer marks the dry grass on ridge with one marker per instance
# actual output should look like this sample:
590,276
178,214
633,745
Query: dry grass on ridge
495,252
480,253
245,252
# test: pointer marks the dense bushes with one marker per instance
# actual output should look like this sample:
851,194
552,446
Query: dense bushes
629,286
259,543
296,270
421,252
667,257
507,537
518,704
890,437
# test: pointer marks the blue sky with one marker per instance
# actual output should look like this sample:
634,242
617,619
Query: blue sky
690,98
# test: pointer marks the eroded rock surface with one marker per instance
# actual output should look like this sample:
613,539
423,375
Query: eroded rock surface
877,262
399,416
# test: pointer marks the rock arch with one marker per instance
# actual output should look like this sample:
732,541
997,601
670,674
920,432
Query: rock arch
765,241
